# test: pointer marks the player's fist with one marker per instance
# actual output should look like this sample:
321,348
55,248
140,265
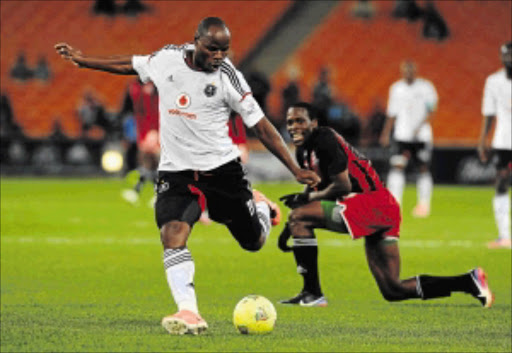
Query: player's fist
482,153
308,177
295,200
68,52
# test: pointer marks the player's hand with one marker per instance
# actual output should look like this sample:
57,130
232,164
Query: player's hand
384,141
295,200
308,177
68,52
416,132
482,154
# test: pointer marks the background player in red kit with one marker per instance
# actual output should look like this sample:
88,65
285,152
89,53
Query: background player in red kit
351,199
143,98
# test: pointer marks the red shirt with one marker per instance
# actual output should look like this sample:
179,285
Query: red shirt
145,108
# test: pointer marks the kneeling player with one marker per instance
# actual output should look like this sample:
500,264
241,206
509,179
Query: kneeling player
351,199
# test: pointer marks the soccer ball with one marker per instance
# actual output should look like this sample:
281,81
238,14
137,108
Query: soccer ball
254,314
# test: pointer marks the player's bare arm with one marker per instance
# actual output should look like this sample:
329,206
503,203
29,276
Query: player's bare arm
121,64
386,131
340,186
487,122
273,141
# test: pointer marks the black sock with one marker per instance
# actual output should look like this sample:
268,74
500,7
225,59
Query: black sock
436,287
305,251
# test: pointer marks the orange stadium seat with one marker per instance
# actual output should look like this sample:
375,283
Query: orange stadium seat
35,26
364,57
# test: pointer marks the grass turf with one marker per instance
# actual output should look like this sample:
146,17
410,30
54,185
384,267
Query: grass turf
81,271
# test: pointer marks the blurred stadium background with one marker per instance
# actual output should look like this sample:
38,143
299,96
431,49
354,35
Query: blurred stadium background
358,44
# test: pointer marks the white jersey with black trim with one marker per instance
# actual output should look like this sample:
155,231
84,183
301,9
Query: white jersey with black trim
497,101
195,107
411,104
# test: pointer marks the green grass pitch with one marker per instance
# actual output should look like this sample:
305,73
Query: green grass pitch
81,271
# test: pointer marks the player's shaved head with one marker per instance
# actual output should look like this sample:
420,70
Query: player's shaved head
206,23
212,41
408,69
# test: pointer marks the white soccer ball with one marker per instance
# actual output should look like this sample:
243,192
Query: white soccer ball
254,314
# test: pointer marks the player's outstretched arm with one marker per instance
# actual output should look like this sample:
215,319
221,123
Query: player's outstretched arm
121,65
273,141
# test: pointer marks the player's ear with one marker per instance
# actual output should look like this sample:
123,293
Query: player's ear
314,123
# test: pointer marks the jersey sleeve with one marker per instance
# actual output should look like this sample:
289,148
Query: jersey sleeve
239,96
331,151
141,64
488,100
149,67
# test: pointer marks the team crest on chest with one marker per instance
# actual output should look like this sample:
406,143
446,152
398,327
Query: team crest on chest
183,100
210,90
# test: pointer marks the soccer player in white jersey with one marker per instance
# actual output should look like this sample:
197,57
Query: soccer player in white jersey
410,105
198,88
497,107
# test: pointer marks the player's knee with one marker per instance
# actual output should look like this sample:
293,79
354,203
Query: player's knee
252,246
296,216
391,296
423,168
398,161
174,234
392,291
502,182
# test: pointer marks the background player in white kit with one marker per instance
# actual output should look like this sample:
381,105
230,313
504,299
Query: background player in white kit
410,105
497,107
198,88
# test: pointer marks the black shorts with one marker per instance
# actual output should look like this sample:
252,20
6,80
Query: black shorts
182,196
502,158
417,152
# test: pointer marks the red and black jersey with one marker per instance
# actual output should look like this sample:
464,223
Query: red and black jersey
328,154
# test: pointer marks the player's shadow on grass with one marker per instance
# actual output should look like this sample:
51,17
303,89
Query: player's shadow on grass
499,306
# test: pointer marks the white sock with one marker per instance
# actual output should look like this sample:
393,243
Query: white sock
263,211
179,269
424,184
501,204
396,183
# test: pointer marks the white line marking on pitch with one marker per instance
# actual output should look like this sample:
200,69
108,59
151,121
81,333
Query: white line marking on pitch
404,243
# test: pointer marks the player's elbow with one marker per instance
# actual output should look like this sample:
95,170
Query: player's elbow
341,188
126,70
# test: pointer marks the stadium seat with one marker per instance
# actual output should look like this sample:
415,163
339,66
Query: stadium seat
364,57
37,105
